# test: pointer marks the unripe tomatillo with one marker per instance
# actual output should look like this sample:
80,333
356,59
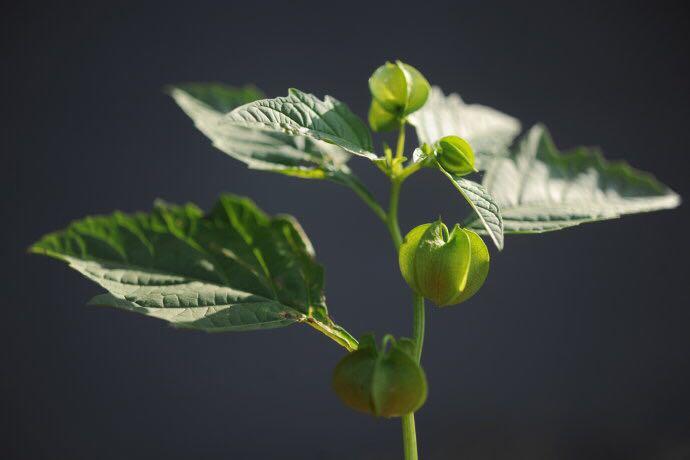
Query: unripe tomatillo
455,155
397,89
445,267
385,382
381,120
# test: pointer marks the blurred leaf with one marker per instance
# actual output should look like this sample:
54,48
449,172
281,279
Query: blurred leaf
489,131
539,189
219,97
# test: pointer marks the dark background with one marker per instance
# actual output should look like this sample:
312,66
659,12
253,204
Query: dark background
576,348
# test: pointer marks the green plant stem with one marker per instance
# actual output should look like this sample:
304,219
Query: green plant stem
401,141
418,326
392,218
334,332
408,423
409,431
409,437
362,192
366,197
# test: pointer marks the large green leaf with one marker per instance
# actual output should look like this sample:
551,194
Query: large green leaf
489,131
301,156
207,104
234,269
303,114
539,189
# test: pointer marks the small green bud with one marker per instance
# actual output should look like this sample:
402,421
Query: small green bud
455,155
383,383
399,88
446,268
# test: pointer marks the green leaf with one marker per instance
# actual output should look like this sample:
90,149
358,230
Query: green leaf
540,189
487,213
489,131
207,104
299,156
233,269
219,97
303,114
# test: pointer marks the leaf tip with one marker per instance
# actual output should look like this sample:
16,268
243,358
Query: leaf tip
34,249
169,89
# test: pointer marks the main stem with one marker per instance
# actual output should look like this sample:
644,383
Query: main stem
408,425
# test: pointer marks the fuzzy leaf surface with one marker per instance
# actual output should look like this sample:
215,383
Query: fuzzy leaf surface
208,103
539,189
487,214
233,269
303,114
489,131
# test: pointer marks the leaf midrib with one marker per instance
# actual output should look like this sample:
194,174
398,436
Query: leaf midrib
72,261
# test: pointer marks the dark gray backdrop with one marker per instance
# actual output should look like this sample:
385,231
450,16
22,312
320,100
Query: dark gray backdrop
577,347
